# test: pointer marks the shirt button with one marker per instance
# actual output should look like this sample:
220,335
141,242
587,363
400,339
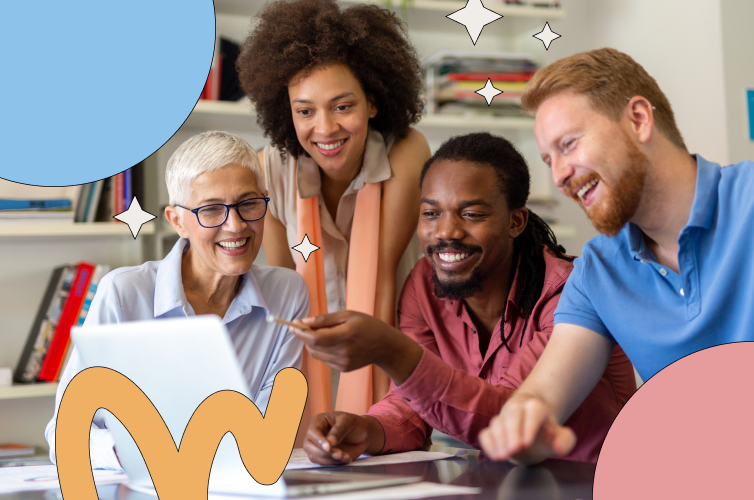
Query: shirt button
340,274
663,271
473,331
342,304
682,294
483,376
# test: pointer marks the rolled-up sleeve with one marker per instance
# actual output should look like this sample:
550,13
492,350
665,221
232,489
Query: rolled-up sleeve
451,400
291,350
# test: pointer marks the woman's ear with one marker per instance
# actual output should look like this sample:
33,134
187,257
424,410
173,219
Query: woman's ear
518,220
372,107
172,215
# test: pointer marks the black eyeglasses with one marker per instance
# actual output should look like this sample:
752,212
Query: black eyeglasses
214,215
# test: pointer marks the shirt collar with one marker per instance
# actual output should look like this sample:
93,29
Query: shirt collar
375,168
168,288
705,194
169,294
702,209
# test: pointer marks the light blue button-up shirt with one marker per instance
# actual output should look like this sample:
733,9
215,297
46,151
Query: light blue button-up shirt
658,316
155,290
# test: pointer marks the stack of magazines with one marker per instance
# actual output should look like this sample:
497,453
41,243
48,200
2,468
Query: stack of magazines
453,77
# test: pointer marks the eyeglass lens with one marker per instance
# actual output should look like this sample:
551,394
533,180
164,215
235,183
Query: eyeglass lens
214,215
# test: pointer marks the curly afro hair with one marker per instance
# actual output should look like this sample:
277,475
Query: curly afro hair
298,35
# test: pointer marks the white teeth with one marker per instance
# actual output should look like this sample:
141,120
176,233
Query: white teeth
586,187
452,257
232,244
328,147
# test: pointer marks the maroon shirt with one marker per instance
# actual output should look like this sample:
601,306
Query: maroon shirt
457,391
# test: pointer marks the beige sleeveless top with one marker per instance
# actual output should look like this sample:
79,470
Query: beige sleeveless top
283,179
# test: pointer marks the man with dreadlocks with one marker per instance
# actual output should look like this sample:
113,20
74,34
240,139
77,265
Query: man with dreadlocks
475,315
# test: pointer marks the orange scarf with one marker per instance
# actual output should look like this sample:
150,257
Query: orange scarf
354,388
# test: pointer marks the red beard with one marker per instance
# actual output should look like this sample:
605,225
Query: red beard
619,201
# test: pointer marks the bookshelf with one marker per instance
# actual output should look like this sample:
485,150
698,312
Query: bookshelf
212,115
98,229
29,254
21,391
247,8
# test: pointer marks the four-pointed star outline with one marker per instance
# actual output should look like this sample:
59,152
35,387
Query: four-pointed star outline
546,36
474,17
489,91
305,248
135,217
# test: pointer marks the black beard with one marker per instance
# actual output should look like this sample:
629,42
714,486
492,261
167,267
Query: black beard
454,289
458,290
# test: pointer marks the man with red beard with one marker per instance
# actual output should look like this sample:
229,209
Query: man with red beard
672,272
474,315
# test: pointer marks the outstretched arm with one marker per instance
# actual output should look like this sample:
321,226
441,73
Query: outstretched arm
398,219
529,427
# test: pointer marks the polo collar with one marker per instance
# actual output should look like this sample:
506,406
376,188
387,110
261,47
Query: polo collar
702,213
375,168
705,194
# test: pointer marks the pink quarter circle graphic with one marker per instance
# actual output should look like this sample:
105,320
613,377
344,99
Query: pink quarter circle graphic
687,433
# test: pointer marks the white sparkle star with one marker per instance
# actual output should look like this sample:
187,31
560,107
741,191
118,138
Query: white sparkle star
489,92
305,248
135,217
474,17
546,36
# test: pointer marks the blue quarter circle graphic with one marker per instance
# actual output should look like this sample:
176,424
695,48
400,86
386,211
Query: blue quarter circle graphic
92,87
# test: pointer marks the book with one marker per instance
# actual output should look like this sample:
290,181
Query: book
44,324
80,215
508,77
127,189
15,450
53,360
118,194
94,198
99,272
31,217
105,208
36,205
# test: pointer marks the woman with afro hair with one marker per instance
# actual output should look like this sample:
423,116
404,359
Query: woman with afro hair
337,92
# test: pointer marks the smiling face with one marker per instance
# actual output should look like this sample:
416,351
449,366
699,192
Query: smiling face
465,227
331,114
229,249
593,159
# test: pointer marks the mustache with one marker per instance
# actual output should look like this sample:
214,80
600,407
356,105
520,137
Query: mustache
451,245
577,183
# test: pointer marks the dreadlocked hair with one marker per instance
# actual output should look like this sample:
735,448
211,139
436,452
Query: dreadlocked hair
514,182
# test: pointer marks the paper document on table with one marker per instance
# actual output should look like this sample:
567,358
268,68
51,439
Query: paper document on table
299,459
45,477
404,492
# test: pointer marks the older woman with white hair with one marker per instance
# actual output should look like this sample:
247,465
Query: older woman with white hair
217,206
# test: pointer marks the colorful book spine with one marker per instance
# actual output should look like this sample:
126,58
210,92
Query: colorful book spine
99,272
59,344
36,328
118,195
52,204
31,362
127,189
509,77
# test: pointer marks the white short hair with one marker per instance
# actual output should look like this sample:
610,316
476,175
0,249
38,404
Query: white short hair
207,152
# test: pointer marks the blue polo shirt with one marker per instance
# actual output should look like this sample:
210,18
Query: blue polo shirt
618,289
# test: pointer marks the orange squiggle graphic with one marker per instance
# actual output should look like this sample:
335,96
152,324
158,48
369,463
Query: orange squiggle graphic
265,443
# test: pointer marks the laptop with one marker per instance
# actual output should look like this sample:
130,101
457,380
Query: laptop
178,363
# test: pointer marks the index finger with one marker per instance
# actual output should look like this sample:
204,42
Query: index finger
328,320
